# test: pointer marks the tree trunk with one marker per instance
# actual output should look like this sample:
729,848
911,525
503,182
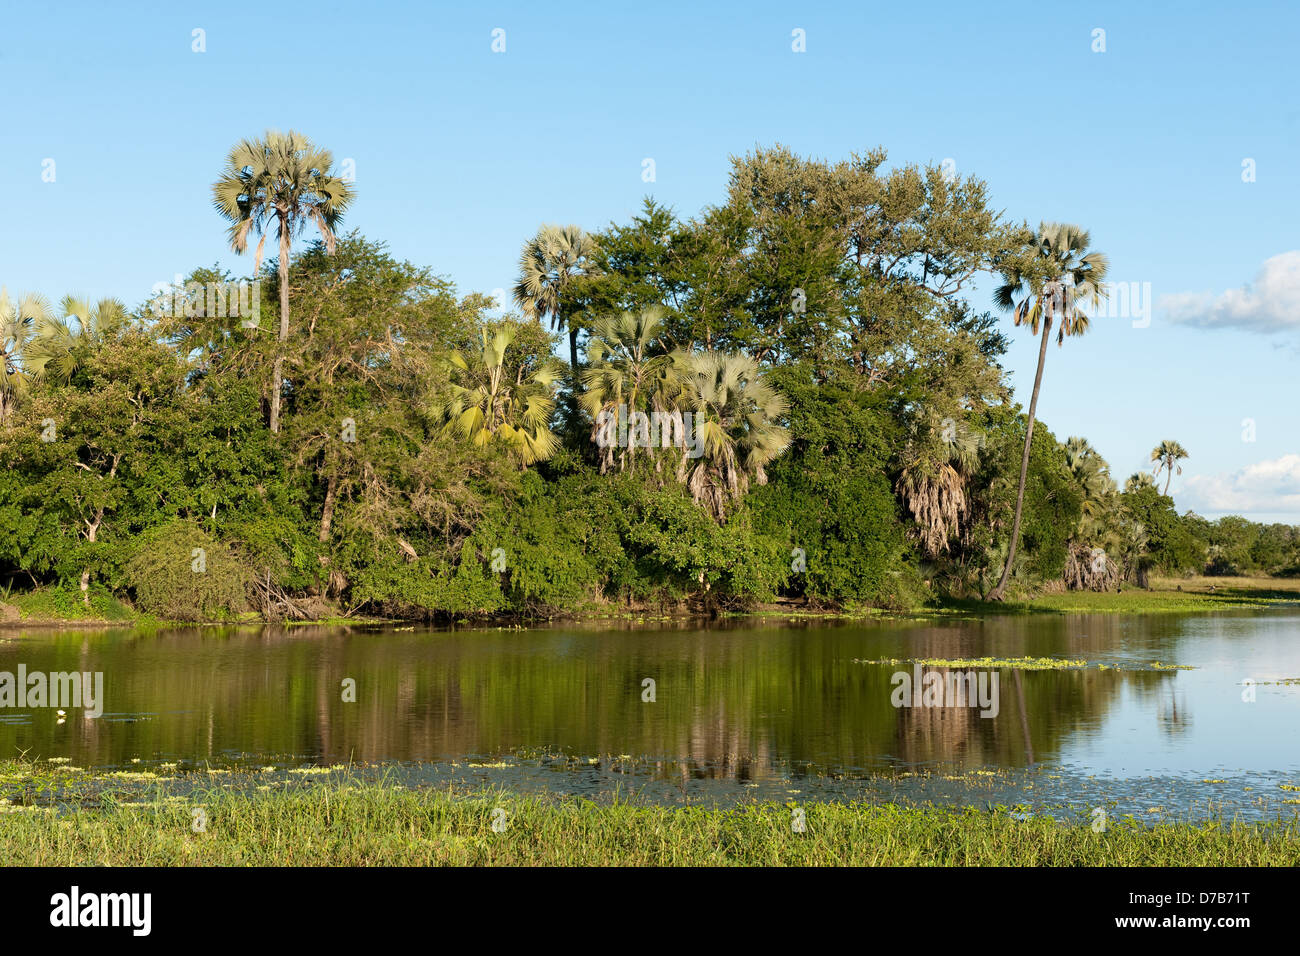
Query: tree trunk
1000,590
327,514
91,531
573,351
326,523
277,374
1169,476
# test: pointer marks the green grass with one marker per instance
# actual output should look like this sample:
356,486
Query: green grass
65,605
350,824
1197,594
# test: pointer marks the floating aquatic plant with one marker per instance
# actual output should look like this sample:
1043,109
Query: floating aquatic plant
1020,663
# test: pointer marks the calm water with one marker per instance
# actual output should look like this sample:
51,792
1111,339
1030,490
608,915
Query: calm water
742,710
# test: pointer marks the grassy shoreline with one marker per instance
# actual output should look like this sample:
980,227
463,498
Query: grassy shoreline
375,824
37,609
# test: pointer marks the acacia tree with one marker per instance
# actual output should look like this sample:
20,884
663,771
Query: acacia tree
286,180
1048,286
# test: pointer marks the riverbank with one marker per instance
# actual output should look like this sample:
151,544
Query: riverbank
1166,595
377,825
53,608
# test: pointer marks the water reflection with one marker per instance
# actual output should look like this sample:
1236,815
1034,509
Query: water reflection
772,704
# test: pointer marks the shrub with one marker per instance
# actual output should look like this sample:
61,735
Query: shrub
830,498
179,572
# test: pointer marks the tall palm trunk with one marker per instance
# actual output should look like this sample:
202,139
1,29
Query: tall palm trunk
1169,476
573,350
998,591
277,374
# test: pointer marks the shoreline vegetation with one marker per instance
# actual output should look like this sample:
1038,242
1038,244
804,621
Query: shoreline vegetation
1193,595
785,402
379,824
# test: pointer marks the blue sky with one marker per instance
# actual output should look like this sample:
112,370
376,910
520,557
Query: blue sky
460,153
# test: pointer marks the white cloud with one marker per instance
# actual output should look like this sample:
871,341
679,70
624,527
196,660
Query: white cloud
1268,487
1269,304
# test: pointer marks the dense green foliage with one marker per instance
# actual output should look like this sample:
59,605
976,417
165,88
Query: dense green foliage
178,572
786,396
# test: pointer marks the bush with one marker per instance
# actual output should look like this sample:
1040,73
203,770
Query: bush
179,572
1220,567
830,498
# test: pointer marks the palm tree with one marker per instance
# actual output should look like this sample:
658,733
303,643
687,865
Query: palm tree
1133,547
283,179
550,265
736,419
1089,553
16,321
1048,286
629,366
489,399
932,481
62,345
1092,473
1166,455
1137,481
1082,459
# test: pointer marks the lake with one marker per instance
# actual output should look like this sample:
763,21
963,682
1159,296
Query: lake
741,709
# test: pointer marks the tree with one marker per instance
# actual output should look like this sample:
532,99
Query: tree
373,329
832,263
937,462
1099,539
284,179
638,267
1171,547
736,419
16,321
490,398
550,266
91,452
1137,481
829,495
629,367
62,345
1048,285
1166,455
